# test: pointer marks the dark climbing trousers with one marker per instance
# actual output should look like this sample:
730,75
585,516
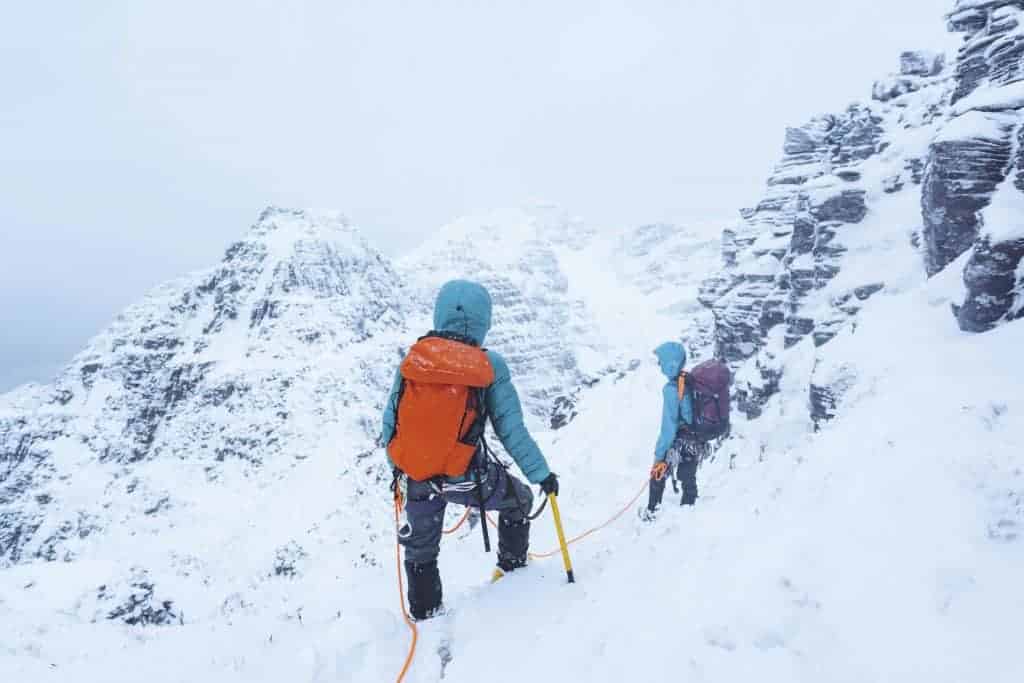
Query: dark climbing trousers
685,455
425,506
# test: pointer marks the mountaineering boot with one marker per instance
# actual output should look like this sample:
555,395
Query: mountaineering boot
513,543
424,589
647,515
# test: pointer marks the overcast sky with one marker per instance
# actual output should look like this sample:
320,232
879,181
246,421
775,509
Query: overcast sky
137,139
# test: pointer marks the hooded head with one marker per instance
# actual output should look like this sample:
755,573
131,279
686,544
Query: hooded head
463,307
671,358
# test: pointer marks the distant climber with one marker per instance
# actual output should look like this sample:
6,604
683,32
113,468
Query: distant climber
445,391
695,412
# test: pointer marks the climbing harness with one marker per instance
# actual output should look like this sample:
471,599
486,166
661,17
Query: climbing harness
446,487
401,489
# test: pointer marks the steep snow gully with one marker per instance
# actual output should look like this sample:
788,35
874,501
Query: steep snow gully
198,496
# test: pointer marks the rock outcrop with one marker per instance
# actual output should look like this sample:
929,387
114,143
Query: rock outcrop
948,133
782,259
974,194
966,164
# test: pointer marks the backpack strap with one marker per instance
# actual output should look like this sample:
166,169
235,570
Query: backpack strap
475,433
681,385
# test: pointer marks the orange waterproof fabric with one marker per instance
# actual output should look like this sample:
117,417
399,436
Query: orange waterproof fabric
682,385
437,407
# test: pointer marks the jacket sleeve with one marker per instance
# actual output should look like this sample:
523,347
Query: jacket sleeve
506,415
669,421
390,416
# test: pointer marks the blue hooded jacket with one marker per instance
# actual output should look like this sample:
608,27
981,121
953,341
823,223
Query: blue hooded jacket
464,308
671,358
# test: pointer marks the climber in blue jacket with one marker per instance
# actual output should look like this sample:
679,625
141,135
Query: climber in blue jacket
673,448
462,316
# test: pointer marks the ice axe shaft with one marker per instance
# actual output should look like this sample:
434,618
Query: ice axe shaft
561,537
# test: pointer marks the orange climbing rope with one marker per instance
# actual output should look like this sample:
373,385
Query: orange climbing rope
401,596
465,516
588,532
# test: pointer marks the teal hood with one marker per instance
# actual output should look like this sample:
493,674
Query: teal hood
671,358
463,307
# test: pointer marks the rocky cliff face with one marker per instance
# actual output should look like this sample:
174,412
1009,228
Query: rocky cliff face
796,264
942,134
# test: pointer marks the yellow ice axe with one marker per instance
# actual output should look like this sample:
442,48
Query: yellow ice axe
561,537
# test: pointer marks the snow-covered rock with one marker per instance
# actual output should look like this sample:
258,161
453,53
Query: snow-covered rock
922,63
949,137
967,162
820,218
977,157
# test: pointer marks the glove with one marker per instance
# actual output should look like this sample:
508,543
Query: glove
659,470
550,485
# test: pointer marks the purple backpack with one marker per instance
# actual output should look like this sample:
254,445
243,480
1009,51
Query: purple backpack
708,384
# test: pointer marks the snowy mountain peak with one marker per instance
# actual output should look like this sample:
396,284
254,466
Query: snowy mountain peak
300,224
209,370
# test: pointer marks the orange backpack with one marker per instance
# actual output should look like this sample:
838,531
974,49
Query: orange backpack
440,415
